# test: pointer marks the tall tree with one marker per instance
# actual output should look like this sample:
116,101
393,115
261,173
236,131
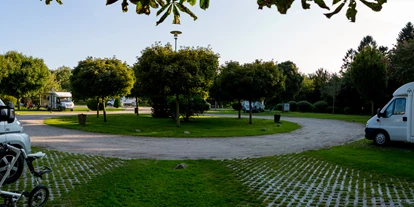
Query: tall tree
176,6
401,67
407,33
229,85
332,88
101,78
62,76
319,78
293,80
260,80
3,67
26,77
368,73
163,72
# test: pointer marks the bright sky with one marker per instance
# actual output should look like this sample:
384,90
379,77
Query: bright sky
236,29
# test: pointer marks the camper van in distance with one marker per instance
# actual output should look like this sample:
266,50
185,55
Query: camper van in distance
395,121
57,101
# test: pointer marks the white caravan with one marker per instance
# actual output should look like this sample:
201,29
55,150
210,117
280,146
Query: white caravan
394,122
57,101
257,106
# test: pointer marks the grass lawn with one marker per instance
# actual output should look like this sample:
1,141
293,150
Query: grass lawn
202,126
352,118
157,183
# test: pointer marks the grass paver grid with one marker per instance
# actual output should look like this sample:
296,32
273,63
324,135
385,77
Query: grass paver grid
66,175
298,180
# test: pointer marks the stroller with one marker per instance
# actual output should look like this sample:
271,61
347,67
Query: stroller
36,197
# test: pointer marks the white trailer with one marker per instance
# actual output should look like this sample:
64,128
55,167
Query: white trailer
57,101
394,122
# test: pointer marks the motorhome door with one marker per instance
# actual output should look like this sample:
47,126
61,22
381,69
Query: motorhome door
395,118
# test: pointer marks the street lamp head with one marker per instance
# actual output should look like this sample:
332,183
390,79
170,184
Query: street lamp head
176,33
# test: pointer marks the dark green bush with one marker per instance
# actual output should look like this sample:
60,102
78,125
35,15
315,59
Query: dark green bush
6,99
321,106
236,106
337,110
293,105
304,106
189,106
279,107
117,102
347,110
92,104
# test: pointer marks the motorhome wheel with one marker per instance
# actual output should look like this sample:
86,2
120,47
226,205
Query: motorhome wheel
381,138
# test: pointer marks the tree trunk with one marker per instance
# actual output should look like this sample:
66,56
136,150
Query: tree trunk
177,110
250,112
333,108
97,107
104,108
18,104
239,109
137,105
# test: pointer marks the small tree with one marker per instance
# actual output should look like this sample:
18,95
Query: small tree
332,88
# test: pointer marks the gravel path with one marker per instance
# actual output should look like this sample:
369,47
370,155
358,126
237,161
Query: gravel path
314,134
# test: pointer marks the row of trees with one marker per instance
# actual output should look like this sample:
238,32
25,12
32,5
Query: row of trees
168,78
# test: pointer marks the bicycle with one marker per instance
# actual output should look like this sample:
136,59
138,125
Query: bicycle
36,197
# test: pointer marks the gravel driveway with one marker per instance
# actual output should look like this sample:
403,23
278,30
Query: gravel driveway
313,134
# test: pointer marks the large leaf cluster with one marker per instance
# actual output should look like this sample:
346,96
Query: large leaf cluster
25,77
368,73
97,77
293,80
402,62
175,7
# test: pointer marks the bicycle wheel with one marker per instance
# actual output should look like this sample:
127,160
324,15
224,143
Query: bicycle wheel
39,196
16,170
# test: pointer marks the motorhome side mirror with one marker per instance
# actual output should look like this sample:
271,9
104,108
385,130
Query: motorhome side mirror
10,113
379,113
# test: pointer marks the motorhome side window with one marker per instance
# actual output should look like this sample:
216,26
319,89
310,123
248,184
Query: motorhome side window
397,107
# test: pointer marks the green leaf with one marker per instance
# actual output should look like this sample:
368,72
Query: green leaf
305,5
186,10
336,11
335,2
124,6
162,9
321,4
204,4
139,8
176,19
283,5
351,12
48,2
153,4
160,2
192,2
163,17
109,2
59,2
373,6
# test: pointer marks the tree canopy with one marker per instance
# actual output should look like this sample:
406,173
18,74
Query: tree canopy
62,76
26,75
166,8
101,78
293,80
163,72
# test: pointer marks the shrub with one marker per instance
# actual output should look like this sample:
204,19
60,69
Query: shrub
117,102
321,106
91,104
236,106
293,105
304,106
189,106
347,110
337,110
6,99
279,107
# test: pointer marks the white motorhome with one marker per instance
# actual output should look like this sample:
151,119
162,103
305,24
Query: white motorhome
395,121
257,106
57,101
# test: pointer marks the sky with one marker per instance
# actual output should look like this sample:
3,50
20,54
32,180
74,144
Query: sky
64,34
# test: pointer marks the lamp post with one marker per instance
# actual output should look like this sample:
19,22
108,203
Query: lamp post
176,33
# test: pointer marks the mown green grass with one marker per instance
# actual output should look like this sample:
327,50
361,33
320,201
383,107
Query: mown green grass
396,160
351,118
157,183
202,126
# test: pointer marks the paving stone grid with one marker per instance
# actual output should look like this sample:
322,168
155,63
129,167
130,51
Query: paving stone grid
296,180
66,174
